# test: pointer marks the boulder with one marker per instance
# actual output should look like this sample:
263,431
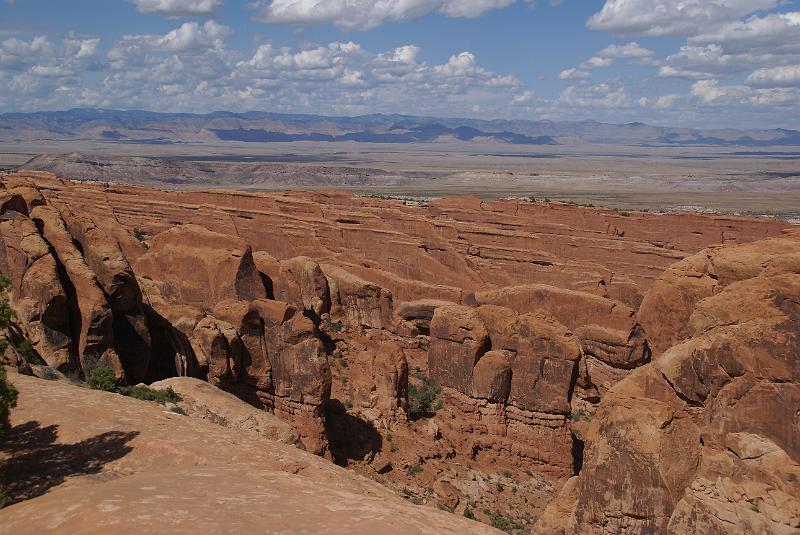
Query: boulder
314,293
491,377
390,376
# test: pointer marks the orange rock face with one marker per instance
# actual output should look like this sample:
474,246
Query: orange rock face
509,378
704,439
653,355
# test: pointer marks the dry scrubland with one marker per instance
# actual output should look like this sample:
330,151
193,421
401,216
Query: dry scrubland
743,180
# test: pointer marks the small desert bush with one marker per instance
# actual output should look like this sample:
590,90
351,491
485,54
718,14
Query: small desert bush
332,326
8,400
145,393
414,469
139,235
423,399
104,378
503,523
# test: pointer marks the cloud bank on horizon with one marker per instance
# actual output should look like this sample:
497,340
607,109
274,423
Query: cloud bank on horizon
710,63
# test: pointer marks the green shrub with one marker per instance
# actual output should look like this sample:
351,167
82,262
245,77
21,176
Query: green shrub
139,235
468,513
332,326
145,393
423,399
28,353
6,314
8,400
414,469
103,378
502,523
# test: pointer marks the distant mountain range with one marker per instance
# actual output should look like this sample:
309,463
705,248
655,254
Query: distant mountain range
261,127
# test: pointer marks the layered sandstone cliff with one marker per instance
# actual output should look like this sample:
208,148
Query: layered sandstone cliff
705,438
564,340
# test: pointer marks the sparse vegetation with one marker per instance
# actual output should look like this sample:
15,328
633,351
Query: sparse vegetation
6,314
414,470
500,487
503,523
104,378
424,399
8,400
468,513
28,353
332,326
145,393
507,473
580,414
139,235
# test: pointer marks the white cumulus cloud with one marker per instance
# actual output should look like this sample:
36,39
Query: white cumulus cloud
178,8
366,14
672,17
572,74
788,76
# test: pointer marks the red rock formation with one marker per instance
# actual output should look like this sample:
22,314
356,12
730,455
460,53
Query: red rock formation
359,303
93,323
688,282
264,351
508,380
612,342
525,314
37,293
198,267
704,439
438,251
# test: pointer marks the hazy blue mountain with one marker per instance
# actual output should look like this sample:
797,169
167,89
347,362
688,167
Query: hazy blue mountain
136,126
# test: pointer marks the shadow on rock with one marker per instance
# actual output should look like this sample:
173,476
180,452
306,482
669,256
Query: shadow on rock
35,463
350,437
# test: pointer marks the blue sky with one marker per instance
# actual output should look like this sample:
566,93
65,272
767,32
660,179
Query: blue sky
710,63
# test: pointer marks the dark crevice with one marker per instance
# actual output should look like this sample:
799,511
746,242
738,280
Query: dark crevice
578,447
74,313
350,437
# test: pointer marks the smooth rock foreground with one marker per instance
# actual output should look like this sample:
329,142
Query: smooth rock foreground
93,462
599,372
